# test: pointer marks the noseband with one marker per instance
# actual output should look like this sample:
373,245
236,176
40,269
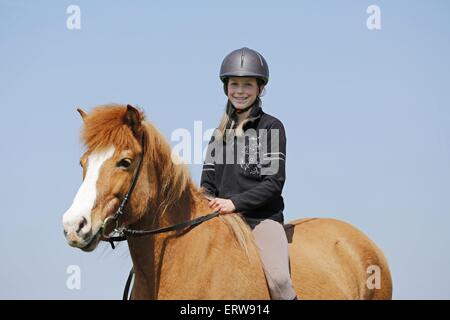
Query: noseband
122,233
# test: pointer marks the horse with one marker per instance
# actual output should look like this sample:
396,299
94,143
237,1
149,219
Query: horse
214,259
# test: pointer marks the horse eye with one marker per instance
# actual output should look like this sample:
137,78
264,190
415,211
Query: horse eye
124,163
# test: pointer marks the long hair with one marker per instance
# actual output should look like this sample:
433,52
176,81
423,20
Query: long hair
229,118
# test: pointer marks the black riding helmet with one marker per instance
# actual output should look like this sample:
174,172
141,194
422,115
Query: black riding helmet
244,62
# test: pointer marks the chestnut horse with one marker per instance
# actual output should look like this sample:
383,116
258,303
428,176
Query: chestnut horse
217,259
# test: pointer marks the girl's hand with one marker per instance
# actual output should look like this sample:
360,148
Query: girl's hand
223,206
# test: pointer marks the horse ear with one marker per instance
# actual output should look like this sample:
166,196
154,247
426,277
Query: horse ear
82,114
133,119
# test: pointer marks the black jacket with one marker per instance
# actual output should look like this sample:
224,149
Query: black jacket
254,187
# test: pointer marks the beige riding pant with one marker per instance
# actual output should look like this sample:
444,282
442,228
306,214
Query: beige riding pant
273,247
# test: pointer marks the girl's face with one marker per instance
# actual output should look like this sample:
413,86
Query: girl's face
242,91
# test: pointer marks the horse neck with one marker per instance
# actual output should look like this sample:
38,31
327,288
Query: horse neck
148,252
176,200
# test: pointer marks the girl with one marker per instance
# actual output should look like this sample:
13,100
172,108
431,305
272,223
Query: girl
254,184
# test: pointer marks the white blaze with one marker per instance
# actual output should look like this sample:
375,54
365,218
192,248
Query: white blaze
86,195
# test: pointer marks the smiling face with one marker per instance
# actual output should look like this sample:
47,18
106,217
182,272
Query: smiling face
243,91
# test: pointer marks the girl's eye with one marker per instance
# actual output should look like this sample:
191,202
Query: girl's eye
124,163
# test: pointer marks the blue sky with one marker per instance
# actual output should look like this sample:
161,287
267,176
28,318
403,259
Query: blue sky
367,117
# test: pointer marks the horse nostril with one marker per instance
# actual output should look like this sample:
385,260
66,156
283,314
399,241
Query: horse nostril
83,222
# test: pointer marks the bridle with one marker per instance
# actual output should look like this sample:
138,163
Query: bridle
122,233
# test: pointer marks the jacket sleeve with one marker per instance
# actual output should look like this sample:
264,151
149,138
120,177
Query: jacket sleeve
208,179
273,172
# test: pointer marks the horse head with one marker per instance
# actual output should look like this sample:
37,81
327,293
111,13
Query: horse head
113,137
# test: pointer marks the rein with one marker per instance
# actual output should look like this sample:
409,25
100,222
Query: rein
124,233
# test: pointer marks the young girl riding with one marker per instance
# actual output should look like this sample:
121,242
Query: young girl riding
244,170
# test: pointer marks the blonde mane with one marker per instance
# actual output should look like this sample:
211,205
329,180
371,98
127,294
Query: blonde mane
241,231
